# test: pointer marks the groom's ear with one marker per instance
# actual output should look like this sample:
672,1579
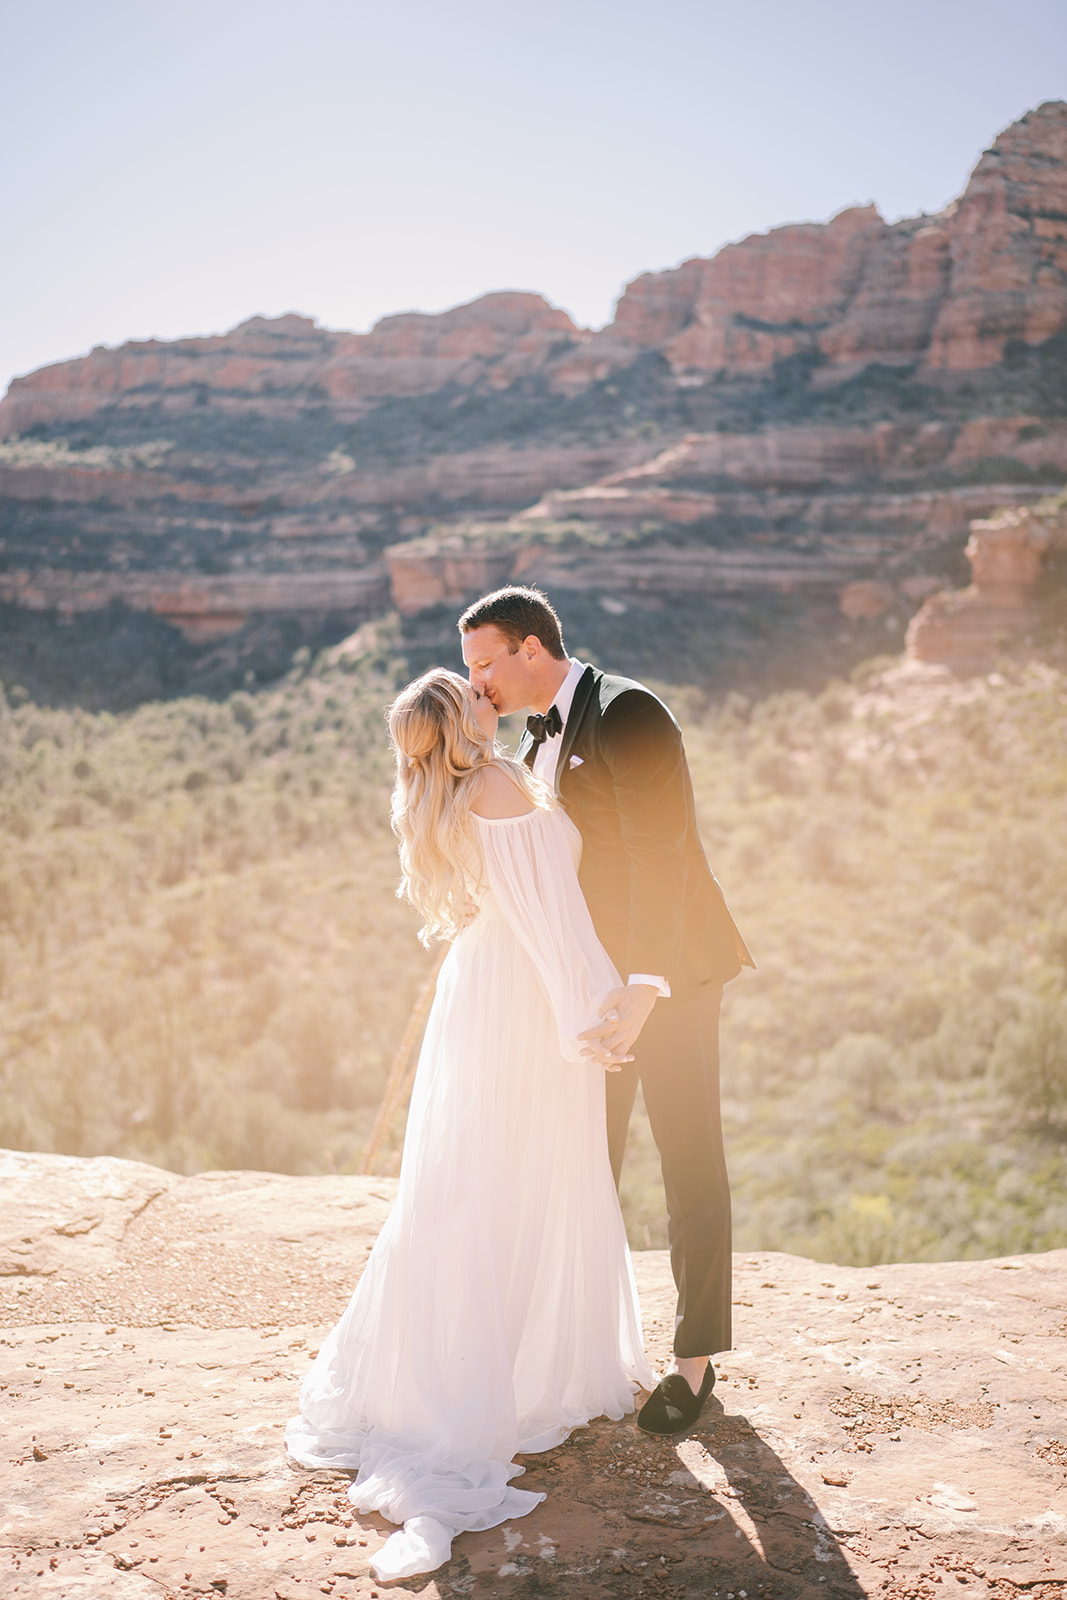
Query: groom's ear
532,648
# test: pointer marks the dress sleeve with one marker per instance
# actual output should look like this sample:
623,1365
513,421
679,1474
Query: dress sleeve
529,868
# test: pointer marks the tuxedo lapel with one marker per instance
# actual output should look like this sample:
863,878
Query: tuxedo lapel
525,745
584,695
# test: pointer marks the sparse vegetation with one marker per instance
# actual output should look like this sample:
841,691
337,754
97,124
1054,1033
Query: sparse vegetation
895,1074
201,958
204,964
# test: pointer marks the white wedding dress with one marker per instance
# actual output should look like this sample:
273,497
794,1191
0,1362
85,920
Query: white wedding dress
498,1308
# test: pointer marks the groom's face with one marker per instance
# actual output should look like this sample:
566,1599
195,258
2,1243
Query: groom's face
504,678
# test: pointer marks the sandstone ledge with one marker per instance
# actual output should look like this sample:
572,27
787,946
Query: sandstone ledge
203,608
892,1431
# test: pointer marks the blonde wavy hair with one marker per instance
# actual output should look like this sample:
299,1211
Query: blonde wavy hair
441,749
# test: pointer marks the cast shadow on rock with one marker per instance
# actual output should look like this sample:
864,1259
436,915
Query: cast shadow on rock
713,1512
756,1527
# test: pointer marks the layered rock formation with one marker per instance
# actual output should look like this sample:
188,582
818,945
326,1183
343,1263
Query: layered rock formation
793,510
964,628
946,292
835,399
278,364
205,608
820,479
894,1431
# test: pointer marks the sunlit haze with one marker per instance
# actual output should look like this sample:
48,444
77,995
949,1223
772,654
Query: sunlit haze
173,170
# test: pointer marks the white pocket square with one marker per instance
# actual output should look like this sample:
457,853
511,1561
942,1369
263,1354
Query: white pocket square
576,761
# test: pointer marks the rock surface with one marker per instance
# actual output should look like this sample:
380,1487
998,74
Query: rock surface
821,478
280,364
946,291
840,399
893,1431
963,628
816,521
204,608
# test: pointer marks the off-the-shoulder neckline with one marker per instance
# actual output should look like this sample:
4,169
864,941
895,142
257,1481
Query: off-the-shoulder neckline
521,816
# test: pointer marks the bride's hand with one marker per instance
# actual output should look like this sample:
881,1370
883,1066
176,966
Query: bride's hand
601,1045
603,1059
624,1012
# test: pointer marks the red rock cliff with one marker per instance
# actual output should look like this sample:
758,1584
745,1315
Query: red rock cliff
945,292
264,474
282,364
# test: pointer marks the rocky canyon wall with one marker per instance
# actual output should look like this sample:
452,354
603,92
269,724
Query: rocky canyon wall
947,292
824,403
964,628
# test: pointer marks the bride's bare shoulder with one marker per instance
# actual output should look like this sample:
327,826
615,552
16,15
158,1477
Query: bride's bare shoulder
498,795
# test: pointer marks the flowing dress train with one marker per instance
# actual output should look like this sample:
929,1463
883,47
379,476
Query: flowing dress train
497,1310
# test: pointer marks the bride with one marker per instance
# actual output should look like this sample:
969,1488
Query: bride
498,1310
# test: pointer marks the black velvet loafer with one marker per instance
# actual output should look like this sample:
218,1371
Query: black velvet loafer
672,1405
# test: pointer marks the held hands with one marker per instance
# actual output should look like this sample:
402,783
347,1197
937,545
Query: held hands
624,1012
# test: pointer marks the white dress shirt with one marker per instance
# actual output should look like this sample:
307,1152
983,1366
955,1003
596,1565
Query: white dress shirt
547,758
544,767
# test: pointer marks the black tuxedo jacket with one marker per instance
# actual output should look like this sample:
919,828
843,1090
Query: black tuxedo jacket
623,779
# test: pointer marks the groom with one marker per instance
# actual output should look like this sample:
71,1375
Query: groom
614,754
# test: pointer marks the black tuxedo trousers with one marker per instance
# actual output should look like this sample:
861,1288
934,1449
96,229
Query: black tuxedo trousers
676,1061
623,777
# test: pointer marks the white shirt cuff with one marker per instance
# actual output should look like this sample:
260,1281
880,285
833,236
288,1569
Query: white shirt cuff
654,982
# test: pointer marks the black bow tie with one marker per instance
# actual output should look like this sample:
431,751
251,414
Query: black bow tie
544,727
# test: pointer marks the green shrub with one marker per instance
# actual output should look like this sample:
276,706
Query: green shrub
203,962
1029,1062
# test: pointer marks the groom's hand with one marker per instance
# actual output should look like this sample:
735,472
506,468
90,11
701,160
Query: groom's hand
624,1012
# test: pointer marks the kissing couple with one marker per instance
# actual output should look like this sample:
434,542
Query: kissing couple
589,946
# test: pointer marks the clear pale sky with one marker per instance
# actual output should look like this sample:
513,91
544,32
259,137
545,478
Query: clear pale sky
172,168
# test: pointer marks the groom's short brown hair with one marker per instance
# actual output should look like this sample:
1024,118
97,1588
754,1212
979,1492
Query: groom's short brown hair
517,612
